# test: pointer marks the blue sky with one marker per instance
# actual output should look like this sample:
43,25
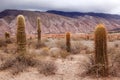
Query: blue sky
100,6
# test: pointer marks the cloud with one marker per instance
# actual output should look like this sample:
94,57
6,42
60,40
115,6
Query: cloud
101,6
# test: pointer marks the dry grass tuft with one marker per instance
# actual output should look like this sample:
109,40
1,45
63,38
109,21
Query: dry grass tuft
3,43
114,58
10,49
55,52
9,41
61,44
33,43
44,51
89,67
64,54
39,45
77,47
47,68
18,63
58,53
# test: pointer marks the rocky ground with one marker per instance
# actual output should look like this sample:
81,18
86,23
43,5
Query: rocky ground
70,68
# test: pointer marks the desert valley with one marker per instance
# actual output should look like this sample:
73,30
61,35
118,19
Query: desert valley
57,45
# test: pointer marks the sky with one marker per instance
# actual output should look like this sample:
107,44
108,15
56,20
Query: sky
98,6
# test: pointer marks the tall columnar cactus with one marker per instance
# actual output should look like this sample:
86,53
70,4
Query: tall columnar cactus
68,44
101,59
21,35
38,30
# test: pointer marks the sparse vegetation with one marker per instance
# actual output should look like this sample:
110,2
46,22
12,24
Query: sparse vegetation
47,68
3,43
60,56
18,63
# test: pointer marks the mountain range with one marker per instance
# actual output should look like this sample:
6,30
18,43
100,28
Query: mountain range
53,22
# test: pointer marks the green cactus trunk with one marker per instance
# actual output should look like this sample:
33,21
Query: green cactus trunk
101,59
21,35
39,30
68,44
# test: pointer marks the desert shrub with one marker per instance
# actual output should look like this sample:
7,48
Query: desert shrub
89,67
115,62
17,68
3,43
10,49
49,43
47,68
61,44
35,44
64,54
55,52
76,47
18,63
7,64
3,56
39,45
89,50
9,41
116,45
58,53
111,50
44,51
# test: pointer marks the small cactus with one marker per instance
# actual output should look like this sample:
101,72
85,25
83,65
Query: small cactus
7,35
68,44
101,59
38,30
21,35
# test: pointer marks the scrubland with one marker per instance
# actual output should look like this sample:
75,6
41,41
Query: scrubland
50,61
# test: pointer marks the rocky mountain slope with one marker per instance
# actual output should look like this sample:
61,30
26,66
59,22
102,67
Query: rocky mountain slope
57,21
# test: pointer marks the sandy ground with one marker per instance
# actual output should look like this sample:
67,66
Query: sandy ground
68,69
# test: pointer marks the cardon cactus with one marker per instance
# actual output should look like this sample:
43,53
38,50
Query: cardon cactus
21,35
38,30
68,44
101,59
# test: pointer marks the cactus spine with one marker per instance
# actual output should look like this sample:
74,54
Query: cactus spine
21,35
101,59
68,44
38,30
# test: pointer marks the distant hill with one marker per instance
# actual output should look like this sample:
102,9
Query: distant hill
57,21
76,14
